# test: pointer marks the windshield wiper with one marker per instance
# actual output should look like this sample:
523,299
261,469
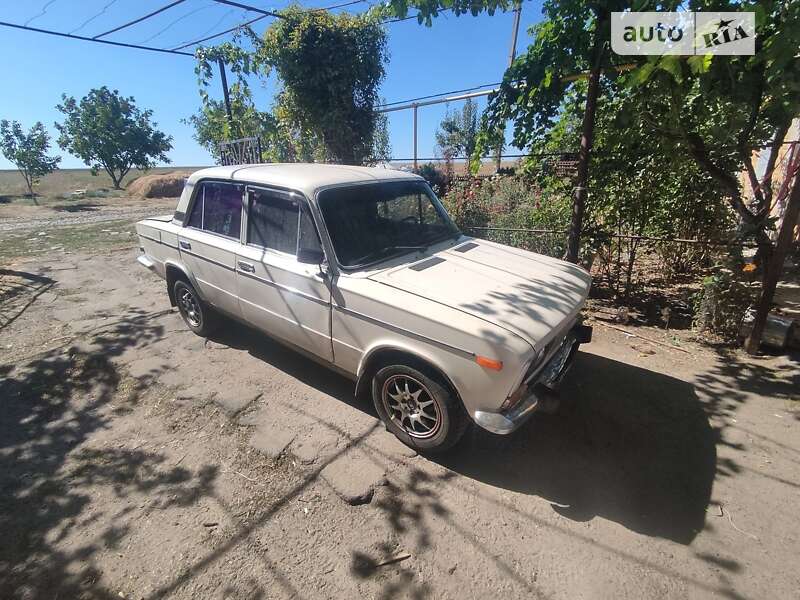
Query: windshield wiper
362,261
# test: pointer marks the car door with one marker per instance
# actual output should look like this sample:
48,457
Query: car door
209,241
277,293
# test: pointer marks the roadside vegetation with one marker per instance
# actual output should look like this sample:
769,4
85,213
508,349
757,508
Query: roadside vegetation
96,238
28,151
329,68
665,147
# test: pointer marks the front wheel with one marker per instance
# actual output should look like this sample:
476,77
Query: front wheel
419,409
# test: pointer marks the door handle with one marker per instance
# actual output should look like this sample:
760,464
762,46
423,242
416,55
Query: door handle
246,267
185,245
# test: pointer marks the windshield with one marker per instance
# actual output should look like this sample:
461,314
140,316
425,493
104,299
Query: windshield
370,223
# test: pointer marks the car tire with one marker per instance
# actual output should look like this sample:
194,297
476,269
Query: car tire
197,315
419,408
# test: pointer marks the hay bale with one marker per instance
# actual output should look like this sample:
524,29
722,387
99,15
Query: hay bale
162,185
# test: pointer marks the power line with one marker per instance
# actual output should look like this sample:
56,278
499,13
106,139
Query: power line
139,20
251,21
41,13
90,19
88,39
176,21
261,11
221,33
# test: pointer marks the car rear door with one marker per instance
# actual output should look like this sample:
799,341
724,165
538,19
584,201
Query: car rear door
209,241
278,294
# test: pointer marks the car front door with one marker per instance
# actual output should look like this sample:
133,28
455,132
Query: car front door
209,241
277,293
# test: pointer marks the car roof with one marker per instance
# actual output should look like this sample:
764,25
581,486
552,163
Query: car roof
305,177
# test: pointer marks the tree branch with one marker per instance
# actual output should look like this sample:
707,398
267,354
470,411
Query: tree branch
766,182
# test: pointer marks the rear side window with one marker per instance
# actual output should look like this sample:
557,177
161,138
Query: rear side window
280,222
218,208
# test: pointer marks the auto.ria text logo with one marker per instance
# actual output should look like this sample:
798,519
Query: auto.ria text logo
683,33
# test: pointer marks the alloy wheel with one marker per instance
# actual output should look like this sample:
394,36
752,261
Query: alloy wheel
410,405
190,308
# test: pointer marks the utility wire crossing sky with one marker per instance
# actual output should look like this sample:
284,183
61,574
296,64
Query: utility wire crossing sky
156,42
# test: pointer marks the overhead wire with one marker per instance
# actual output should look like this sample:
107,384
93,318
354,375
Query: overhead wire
90,19
139,20
88,39
42,12
176,21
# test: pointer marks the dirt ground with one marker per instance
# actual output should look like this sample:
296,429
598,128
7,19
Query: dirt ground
140,461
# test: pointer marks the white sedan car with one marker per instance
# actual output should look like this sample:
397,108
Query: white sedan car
362,269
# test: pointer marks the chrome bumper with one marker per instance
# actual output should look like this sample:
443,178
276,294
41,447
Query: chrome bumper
546,384
143,260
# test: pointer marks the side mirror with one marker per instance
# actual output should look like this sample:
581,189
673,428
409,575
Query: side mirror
310,256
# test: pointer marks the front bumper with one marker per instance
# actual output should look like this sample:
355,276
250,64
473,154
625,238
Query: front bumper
538,391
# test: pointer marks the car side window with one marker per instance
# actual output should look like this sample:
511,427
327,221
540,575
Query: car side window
309,238
280,222
273,221
218,208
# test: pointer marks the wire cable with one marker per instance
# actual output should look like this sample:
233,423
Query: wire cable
251,21
221,33
139,20
176,21
251,8
90,19
88,39
41,12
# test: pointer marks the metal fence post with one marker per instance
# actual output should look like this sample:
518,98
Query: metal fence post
415,135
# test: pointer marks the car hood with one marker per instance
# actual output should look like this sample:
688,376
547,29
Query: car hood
530,295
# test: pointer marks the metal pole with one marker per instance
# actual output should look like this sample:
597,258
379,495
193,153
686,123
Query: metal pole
225,90
415,135
511,56
514,32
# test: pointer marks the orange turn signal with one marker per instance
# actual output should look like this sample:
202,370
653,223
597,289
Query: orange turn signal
489,363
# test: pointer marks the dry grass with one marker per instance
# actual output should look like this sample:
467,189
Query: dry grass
60,184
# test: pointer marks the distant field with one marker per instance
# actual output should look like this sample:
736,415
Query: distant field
59,185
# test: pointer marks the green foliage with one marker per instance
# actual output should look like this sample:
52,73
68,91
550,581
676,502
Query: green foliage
717,109
511,203
381,149
109,131
212,125
436,178
329,68
28,151
427,10
457,134
721,304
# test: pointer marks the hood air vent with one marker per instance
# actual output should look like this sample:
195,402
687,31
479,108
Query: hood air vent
431,262
466,247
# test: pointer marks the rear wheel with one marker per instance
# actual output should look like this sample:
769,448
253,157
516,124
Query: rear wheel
199,317
418,408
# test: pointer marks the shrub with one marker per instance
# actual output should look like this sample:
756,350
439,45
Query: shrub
510,203
722,302
435,177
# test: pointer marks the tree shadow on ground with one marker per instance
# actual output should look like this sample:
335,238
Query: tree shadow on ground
632,446
52,403
18,291
735,379
291,362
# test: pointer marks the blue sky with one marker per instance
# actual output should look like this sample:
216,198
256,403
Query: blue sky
455,53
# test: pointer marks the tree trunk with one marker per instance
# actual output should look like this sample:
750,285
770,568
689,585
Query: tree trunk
114,179
587,136
774,268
